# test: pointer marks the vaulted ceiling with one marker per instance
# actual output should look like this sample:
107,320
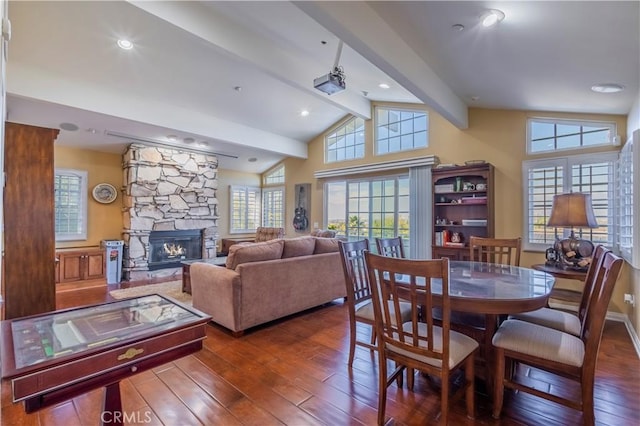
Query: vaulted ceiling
233,77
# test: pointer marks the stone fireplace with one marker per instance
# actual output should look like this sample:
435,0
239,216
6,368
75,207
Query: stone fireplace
167,190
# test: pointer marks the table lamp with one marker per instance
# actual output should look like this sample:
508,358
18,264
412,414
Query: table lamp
573,210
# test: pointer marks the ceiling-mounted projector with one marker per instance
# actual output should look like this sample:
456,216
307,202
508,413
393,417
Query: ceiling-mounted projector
330,83
334,81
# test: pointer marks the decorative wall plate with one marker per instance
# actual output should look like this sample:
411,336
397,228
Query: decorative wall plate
104,193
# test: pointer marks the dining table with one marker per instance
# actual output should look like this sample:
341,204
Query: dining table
493,290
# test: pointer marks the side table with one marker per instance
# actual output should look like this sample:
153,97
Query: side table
563,294
186,267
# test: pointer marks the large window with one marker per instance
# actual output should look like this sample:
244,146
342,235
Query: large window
581,173
244,209
552,134
369,208
400,130
346,142
70,187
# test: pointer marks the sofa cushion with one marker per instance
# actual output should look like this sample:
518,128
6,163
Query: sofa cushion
301,246
326,245
254,252
325,233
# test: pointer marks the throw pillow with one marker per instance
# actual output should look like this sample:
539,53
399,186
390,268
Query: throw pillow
301,246
326,245
254,252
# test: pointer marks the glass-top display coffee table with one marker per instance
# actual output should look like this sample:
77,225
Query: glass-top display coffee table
186,266
53,357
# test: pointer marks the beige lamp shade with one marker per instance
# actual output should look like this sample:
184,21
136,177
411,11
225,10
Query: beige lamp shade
572,210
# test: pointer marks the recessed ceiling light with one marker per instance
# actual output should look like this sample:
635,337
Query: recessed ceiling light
383,86
457,27
238,88
68,127
252,160
491,17
304,113
92,130
607,88
125,44
475,98
172,138
203,144
189,140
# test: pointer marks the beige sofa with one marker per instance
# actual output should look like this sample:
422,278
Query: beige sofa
269,280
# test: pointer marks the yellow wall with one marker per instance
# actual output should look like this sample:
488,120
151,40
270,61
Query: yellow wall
497,136
105,220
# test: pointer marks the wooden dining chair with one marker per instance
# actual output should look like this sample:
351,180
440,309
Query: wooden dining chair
390,247
412,344
567,321
555,351
504,251
359,294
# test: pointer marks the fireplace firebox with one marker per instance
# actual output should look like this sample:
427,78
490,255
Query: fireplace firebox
168,248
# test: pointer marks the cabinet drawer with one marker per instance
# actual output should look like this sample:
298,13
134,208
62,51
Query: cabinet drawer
70,372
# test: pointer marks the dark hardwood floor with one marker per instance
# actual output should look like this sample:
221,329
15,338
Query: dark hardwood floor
294,372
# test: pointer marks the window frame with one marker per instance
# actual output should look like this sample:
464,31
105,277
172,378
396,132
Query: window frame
256,216
566,185
399,111
570,122
628,184
371,212
266,209
277,178
83,216
342,125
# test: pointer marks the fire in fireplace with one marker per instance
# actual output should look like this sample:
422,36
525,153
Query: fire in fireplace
168,248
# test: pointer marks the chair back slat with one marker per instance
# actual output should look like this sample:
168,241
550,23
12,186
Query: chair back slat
395,280
590,280
593,324
391,247
504,251
355,272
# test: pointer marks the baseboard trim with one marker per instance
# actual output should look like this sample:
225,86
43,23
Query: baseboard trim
616,316
613,316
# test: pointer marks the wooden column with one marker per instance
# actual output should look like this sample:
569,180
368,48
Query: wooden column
29,233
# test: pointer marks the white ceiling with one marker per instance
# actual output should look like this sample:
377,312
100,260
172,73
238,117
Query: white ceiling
179,79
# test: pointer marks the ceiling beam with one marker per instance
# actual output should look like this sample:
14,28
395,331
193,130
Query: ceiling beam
359,26
289,67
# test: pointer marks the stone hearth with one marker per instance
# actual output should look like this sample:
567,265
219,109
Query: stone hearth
166,190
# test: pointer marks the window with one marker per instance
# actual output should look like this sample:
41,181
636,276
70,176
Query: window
273,207
628,184
273,198
345,142
275,176
550,134
582,173
400,130
369,208
245,209
70,193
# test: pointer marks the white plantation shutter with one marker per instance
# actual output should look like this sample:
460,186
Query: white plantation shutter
592,174
245,209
